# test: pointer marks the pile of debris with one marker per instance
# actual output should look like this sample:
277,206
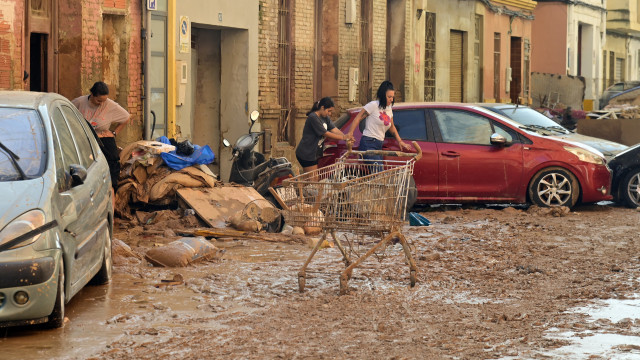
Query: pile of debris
146,179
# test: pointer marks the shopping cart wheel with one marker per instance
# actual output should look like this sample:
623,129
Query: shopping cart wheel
301,282
412,278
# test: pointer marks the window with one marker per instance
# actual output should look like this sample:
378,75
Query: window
463,127
410,124
60,167
67,145
22,132
84,147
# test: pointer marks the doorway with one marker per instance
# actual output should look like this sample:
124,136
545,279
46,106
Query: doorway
38,55
206,90
516,70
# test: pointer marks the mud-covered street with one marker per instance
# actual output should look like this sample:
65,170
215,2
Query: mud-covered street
492,283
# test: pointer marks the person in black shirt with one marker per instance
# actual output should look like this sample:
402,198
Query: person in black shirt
317,127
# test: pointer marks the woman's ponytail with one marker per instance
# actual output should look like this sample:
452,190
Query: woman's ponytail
325,102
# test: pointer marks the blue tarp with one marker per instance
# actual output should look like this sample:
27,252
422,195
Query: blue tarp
201,155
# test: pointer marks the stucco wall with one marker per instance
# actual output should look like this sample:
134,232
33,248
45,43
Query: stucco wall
454,15
508,27
237,23
623,131
548,38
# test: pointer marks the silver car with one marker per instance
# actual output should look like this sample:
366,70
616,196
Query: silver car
56,213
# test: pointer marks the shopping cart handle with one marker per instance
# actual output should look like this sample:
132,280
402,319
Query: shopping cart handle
417,155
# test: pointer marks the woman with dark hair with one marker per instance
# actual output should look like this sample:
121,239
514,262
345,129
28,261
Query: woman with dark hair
317,127
101,112
379,120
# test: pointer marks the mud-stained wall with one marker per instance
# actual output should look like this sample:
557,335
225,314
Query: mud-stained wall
550,88
11,47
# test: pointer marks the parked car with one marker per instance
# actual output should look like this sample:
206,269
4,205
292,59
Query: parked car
473,155
625,184
614,90
621,159
56,215
533,120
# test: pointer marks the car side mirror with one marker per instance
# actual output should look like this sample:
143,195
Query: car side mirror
78,174
497,139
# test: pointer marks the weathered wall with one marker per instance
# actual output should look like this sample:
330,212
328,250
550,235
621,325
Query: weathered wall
548,38
548,86
454,15
11,47
509,27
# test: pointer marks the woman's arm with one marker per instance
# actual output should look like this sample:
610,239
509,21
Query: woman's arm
361,115
336,134
402,144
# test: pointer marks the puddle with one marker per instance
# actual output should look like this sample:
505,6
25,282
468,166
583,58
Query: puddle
609,340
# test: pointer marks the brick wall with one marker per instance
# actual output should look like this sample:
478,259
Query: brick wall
303,58
379,47
11,25
268,64
134,66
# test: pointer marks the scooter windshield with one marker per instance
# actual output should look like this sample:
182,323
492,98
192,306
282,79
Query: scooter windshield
245,141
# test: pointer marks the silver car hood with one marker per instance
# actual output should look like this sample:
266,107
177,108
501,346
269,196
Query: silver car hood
19,197
606,147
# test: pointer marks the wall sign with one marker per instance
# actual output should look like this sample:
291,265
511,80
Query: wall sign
152,5
185,35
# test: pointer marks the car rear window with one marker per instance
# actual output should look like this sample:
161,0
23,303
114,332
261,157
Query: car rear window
21,132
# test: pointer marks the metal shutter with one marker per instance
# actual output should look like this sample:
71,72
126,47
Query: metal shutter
455,66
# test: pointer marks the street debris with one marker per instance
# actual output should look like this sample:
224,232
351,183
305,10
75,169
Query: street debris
176,280
183,252
146,179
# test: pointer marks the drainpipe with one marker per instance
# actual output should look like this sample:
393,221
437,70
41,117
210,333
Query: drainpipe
146,55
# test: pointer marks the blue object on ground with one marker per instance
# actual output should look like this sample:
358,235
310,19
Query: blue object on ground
201,155
164,140
416,219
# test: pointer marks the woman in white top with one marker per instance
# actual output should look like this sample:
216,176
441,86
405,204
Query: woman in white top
379,120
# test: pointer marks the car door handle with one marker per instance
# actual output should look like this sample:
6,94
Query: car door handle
450,153
91,193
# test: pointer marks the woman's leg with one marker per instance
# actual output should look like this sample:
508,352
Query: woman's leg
113,159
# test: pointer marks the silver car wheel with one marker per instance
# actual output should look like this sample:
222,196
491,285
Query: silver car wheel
631,190
554,189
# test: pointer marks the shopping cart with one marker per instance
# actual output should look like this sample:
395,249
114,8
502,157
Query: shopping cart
353,195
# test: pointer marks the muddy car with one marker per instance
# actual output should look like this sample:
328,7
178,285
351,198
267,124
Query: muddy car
533,120
473,155
625,184
624,161
56,213
615,90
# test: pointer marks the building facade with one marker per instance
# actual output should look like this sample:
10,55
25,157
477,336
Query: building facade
621,53
64,46
566,35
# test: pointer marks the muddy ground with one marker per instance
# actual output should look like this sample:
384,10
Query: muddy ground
492,283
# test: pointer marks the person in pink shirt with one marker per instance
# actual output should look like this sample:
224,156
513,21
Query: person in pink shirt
102,112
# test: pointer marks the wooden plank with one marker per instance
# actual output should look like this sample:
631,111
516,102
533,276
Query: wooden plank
216,205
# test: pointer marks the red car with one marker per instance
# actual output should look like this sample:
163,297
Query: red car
472,155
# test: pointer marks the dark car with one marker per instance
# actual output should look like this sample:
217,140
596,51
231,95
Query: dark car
533,120
626,177
615,90
56,213
473,155
624,161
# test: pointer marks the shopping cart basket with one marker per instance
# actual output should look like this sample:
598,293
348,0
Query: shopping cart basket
364,197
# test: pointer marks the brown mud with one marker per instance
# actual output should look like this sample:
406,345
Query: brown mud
492,283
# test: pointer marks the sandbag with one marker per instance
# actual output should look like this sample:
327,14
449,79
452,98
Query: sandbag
182,252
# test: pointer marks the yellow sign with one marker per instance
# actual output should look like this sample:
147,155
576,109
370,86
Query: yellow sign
185,35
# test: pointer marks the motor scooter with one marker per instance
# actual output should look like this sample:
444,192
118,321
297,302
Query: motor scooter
251,168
